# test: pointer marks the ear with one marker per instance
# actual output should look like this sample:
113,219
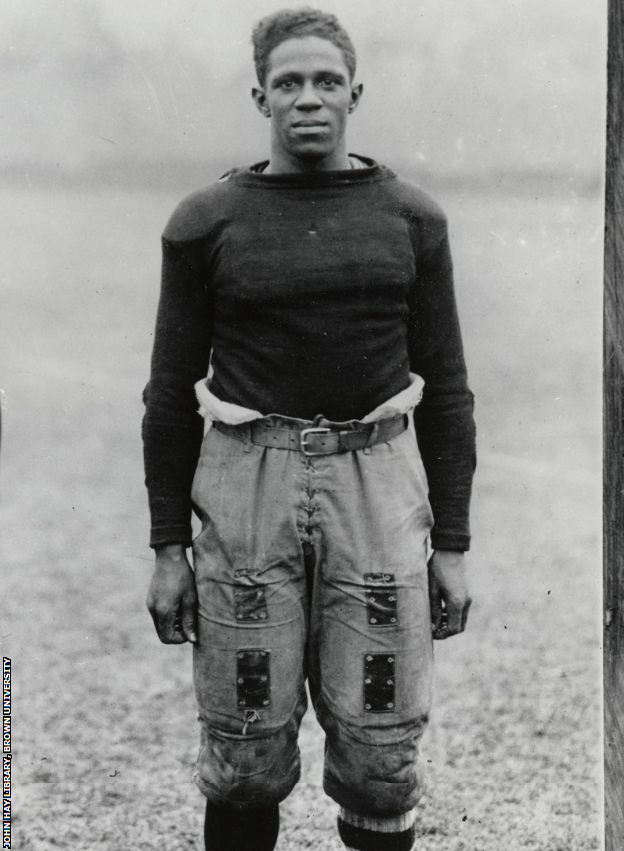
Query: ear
260,99
356,96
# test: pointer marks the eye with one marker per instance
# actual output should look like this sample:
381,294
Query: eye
328,82
287,85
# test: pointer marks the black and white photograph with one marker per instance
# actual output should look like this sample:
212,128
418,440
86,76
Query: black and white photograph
301,346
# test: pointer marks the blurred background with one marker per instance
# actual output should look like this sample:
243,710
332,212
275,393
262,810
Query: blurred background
146,92
110,113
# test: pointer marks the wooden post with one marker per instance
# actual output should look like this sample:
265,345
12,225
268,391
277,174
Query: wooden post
614,438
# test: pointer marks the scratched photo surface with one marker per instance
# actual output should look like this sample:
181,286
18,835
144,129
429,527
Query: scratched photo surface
111,113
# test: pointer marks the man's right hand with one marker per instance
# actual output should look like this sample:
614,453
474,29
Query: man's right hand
172,598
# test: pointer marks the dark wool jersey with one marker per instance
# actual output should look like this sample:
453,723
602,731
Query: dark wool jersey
313,294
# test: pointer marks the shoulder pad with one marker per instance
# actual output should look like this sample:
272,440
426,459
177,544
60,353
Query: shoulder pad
415,202
197,213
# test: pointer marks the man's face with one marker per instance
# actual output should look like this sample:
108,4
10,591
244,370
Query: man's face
308,95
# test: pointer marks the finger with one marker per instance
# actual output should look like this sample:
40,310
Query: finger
454,619
169,628
441,635
440,632
465,611
435,606
188,619
172,636
155,615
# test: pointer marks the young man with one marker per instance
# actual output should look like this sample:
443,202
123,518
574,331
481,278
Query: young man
319,287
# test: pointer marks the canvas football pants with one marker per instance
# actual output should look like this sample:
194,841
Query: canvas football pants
312,567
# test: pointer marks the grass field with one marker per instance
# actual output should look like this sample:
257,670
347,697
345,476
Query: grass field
104,731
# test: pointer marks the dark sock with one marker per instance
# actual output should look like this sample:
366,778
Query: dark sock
236,829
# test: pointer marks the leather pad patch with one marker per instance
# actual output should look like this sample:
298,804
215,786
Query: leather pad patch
253,684
379,682
250,604
381,599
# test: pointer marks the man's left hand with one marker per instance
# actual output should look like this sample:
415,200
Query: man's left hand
449,598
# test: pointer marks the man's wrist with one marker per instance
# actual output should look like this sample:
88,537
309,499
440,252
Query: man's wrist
447,553
448,560
170,553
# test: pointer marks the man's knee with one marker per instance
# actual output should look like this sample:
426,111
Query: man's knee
380,780
246,771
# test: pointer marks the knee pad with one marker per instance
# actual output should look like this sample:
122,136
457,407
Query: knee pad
378,780
248,771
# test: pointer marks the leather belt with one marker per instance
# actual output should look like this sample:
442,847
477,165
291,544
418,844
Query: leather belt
326,439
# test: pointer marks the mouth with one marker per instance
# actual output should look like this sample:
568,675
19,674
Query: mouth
304,125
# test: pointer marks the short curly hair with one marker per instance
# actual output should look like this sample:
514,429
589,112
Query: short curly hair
298,23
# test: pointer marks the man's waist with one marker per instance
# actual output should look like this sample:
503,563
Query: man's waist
215,409
314,437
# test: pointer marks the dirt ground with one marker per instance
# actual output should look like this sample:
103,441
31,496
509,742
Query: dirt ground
104,729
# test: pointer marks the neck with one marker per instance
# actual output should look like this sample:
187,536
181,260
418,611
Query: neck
284,163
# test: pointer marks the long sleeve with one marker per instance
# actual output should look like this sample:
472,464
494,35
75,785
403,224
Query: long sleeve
444,420
172,428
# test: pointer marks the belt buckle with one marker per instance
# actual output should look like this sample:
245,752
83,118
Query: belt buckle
303,442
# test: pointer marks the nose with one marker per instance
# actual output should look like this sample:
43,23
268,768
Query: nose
308,97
